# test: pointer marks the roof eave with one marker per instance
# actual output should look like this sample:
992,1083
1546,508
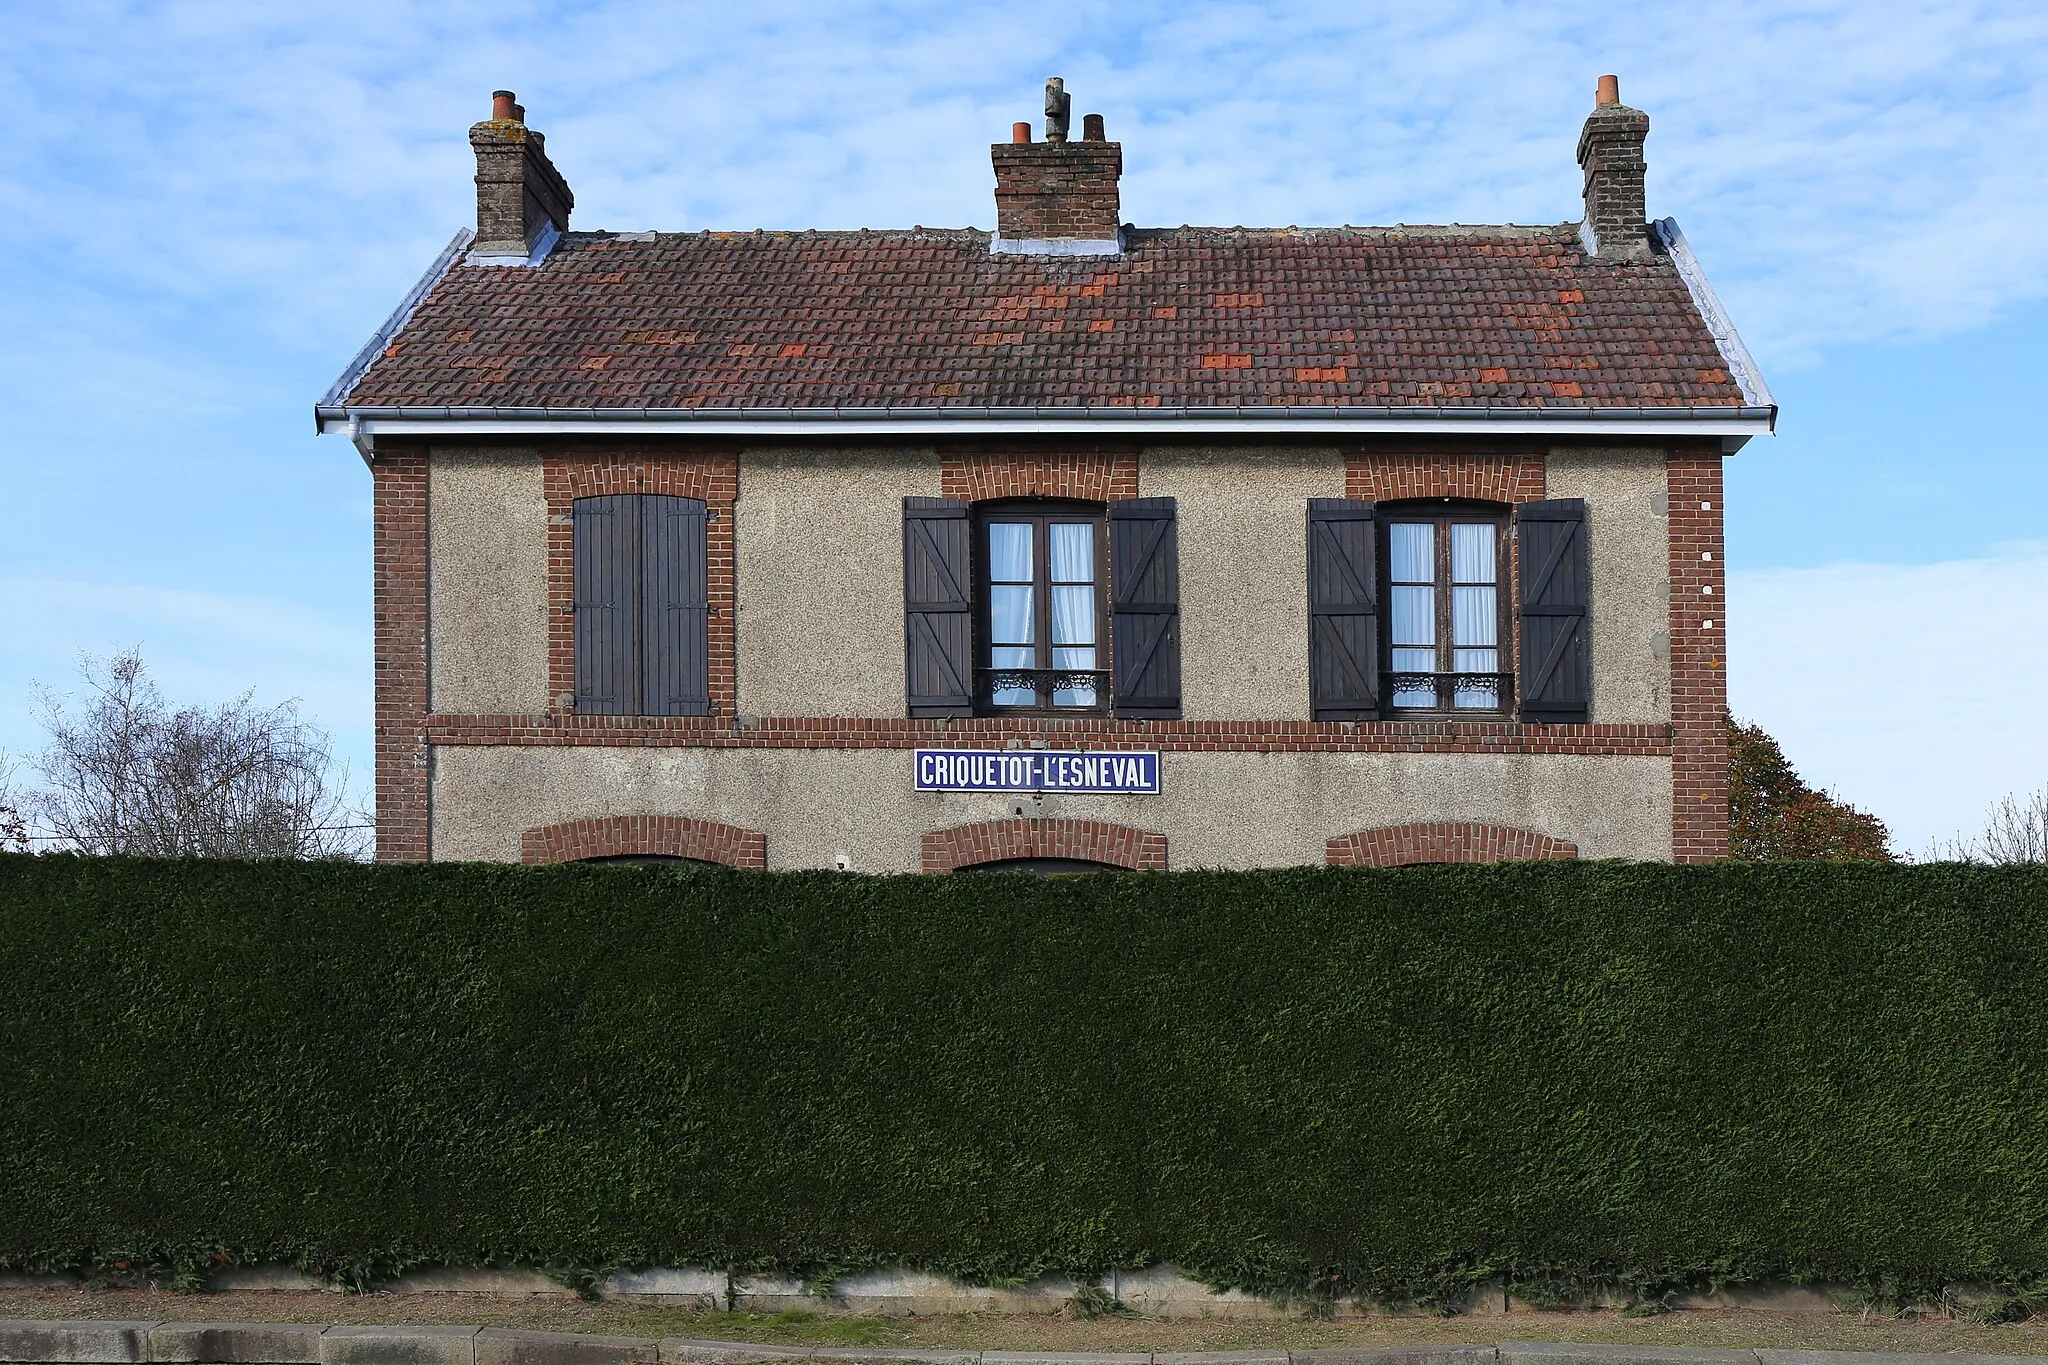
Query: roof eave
1732,424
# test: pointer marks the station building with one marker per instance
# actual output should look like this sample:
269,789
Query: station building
1072,544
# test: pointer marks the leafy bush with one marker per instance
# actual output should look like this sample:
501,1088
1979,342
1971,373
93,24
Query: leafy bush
1318,1083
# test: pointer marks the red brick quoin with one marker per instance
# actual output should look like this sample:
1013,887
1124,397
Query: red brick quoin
1443,841
644,836
999,840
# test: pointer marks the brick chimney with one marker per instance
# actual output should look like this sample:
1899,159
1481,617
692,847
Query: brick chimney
522,202
1611,154
1058,198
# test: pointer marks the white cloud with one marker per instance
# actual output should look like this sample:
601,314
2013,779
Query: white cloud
1846,170
1919,692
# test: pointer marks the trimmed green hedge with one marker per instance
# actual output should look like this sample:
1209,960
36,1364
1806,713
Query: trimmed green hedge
1316,1082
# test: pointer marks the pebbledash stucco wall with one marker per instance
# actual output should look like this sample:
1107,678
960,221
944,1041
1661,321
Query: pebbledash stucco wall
820,570
819,548
818,806
1243,573
487,582
1628,533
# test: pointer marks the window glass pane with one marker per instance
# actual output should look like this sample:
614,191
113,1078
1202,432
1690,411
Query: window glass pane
1414,616
1081,693
1476,660
1474,693
1411,552
1009,552
1072,552
1473,618
1011,621
1073,616
1414,691
1472,552
1026,657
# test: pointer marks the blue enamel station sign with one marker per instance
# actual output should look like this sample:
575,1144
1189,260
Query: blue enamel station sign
1118,772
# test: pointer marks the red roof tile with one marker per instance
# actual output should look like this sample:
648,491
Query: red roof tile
1465,317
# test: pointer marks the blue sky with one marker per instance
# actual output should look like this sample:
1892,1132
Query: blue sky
211,205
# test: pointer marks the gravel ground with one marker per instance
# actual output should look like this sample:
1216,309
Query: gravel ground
1694,1327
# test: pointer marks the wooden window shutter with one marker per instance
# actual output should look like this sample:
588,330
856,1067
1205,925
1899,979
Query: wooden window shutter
607,605
938,607
1144,605
1343,614
675,615
1555,592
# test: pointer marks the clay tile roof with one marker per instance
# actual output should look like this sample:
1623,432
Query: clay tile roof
1498,317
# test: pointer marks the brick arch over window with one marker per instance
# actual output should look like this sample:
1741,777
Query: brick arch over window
1104,474
1484,478
1092,841
644,836
1443,841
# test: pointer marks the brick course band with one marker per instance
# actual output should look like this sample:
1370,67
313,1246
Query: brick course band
1443,841
1174,736
645,836
1092,841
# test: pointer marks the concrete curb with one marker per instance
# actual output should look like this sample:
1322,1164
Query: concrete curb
31,1341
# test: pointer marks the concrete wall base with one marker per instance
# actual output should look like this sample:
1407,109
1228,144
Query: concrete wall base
173,1343
1160,1291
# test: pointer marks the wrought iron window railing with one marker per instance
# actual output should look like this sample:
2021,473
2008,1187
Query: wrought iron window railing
1450,691
1062,689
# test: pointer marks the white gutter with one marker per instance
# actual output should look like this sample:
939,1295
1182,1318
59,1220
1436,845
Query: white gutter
1733,425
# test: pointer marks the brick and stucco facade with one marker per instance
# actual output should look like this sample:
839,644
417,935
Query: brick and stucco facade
1209,374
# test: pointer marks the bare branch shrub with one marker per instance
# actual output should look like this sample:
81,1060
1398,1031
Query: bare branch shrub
131,774
13,824
2015,831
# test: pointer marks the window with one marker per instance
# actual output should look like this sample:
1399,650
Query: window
642,615
1042,649
1042,635
1446,596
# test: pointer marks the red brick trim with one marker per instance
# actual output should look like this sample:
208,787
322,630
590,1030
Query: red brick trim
1090,476
650,836
997,840
1177,736
1699,652
1487,478
1443,841
398,475
640,468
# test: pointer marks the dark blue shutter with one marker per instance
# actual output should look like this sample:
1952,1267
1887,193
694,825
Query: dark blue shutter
675,620
607,602
1144,605
938,607
1555,591
1343,619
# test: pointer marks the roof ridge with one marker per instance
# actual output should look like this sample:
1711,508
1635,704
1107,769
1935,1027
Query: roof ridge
1525,230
